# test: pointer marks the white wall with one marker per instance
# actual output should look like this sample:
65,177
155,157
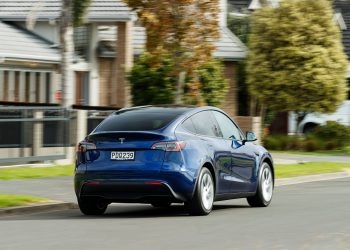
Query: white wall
45,29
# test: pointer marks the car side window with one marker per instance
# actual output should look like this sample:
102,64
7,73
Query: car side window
188,125
205,124
229,130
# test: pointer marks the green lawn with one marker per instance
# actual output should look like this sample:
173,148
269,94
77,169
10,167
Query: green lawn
9,200
309,168
40,172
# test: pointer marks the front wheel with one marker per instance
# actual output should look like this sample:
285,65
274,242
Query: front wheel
264,192
92,206
203,199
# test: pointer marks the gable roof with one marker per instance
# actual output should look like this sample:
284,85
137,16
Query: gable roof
343,7
99,10
228,47
17,44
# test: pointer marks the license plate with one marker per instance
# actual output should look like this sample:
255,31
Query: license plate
122,156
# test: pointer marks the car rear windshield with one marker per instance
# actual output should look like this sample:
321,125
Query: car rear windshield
136,121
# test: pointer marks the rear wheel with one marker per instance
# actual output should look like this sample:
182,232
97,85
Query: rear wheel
263,195
92,206
203,199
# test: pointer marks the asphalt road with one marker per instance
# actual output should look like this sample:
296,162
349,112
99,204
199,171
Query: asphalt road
304,216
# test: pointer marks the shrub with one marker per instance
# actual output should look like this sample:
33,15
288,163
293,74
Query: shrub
333,134
282,142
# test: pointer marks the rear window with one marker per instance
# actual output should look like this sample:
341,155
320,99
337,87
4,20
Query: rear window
136,121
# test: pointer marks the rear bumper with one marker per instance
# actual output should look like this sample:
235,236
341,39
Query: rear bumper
173,187
129,191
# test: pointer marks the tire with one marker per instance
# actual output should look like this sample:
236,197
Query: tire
203,199
264,192
92,206
161,204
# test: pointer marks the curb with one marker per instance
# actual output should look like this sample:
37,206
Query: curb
310,178
38,208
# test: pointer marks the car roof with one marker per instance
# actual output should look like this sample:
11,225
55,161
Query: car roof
174,109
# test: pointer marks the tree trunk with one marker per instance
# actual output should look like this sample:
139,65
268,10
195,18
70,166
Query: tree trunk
180,88
67,52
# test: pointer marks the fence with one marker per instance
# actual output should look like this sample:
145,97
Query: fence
31,134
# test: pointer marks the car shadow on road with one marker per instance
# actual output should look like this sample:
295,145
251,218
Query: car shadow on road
121,212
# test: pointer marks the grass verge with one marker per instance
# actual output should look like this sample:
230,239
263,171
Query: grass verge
9,200
33,172
309,168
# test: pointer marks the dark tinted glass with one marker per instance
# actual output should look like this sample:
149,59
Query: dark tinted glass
205,124
228,128
188,125
136,121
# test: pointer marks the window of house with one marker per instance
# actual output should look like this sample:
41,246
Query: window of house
81,41
22,85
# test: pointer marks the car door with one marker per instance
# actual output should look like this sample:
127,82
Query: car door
209,134
243,157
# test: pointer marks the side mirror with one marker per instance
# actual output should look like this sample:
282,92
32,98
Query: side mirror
250,137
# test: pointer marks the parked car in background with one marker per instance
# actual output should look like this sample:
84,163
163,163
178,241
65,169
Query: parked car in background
312,120
171,154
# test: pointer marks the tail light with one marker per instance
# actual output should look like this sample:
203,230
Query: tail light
84,146
174,146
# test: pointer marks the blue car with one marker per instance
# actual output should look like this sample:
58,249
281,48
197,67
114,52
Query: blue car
171,154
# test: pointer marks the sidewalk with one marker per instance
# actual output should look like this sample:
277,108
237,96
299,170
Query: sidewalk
54,188
281,158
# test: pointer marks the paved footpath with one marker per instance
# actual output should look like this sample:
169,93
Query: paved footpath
305,216
295,158
55,188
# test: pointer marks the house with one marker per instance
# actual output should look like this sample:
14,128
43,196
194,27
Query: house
40,21
104,49
28,66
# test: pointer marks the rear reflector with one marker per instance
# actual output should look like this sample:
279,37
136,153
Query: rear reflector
92,183
153,183
174,146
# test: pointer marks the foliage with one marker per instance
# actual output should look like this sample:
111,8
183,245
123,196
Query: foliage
334,133
79,10
296,60
10,200
155,85
183,29
239,25
214,85
330,136
152,85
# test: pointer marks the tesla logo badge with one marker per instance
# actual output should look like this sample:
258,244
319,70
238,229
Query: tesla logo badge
121,140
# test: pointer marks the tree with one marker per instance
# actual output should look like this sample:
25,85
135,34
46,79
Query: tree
156,85
296,60
152,85
183,29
